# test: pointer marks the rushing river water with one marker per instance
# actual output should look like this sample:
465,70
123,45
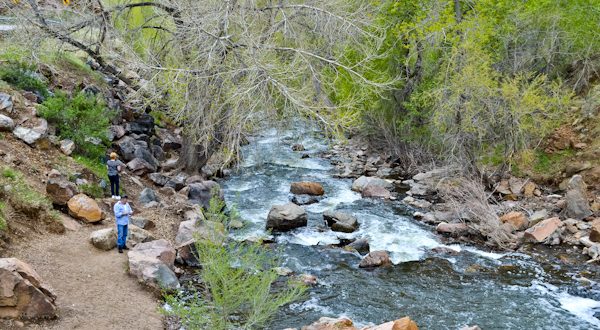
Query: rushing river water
494,291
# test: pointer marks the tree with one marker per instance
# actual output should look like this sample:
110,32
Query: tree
221,68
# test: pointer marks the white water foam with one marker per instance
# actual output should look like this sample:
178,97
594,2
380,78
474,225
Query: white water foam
583,308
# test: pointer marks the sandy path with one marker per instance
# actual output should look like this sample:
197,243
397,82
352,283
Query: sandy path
93,288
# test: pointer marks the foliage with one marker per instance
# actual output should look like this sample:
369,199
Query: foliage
22,76
21,194
93,190
95,165
3,224
238,278
82,118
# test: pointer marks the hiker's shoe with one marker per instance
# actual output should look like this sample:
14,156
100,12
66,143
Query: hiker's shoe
125,247
120,250
113,197
118,198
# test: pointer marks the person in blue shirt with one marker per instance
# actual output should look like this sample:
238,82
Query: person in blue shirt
122,213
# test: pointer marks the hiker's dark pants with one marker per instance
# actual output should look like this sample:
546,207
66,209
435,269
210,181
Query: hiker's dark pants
114,185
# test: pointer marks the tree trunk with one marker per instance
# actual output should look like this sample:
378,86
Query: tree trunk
193,156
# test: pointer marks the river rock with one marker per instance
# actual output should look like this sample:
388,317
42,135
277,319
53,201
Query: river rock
6,124
372,191
538,216
60,190
84,208
404,323
540,232
191,230
375,259
578,206
201,192
153,264
361,183
147,196
327,323
595,231
305,199
452,229
23,294
298,147
340,221
307,188
286,217
516,219
360,245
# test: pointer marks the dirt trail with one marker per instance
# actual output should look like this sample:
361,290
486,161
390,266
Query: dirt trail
93,288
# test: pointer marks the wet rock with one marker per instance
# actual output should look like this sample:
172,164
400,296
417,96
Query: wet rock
595,231
158,179
577,206
418,203
286,217
84,208
361,183
327,323
360,245
340,221
153,264
375,259
307,188
23,294
147,196
372,191
305,199
309,279
444,250
404,323
452,229
540,232
67,147
201,192
6,124
298,147
60,191
191,230
517,220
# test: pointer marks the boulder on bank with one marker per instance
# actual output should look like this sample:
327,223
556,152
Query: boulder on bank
153,264
540,232
67,147
327,323
404,323
6,124
578,206
191,230
60,190
372,191
340,221
106,239
375,259
201,192
452,229
23,293
595,232
364,181
307,188
147,196
84,208
286,217
516,219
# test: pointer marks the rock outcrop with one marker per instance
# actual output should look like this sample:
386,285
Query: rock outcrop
286,217
23,294
153,263
340,221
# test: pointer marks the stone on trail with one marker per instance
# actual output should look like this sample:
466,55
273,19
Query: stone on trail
340,221
286,217
84,208
153,263
23,294
361,183
375,259
516,219
106,239
540,232
307,188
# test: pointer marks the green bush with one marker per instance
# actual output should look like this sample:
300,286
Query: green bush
23,77
9,173
94,165
80,119
3,224
93,190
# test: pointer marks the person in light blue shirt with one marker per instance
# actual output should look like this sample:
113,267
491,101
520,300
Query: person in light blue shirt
122,213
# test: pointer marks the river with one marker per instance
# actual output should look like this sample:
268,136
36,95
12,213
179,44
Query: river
492,290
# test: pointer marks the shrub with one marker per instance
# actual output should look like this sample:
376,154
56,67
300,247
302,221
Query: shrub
82,119
95,165
3,224
93,190
9,173
22,76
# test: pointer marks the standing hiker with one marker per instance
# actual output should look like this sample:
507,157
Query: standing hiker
122,213
114,166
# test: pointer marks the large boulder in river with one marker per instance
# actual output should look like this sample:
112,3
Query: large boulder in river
192,230
201,192
360,245
578,206
361,183
23,294
340,221
84,208
153,263
307,188
375,259
327,323
286,217
60,190
541,231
